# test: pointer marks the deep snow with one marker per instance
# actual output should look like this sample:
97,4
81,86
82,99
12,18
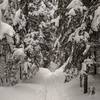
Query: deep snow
45,85
49,86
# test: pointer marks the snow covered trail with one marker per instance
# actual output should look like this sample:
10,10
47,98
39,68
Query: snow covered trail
53,82
45,76
56,92
33,92
44,86
23,92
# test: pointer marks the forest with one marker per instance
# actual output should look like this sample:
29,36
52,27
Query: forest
50,34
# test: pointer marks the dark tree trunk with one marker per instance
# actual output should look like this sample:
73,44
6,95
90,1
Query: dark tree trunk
85,83
20,72
95,70
81,78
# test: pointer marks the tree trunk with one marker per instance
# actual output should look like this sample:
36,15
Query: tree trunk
85,83
20,71
81,80
95,70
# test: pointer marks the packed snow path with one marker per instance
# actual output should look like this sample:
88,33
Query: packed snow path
33,92
45,85
53,83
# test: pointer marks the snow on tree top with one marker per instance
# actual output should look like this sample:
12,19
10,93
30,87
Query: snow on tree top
6,29
76,5
19,54
79,34
96,20
72,12
17,17
88,61
4,5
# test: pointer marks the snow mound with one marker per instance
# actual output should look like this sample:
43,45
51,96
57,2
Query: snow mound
96,20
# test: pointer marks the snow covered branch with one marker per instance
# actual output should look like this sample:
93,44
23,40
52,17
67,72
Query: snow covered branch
4,5
62,68
96,20
6,29
87,49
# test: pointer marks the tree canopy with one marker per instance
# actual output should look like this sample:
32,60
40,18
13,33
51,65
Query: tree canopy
45,31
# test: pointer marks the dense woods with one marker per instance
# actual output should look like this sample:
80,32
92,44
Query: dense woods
40,33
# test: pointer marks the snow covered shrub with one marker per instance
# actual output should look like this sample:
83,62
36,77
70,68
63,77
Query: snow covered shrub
19,19
19,55
76,5
6,29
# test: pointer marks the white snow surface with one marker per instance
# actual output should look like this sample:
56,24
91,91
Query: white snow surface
39,91
45,76
45,85
23,92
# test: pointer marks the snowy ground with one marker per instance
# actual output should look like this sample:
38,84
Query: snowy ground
23,92
74,92
56,90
